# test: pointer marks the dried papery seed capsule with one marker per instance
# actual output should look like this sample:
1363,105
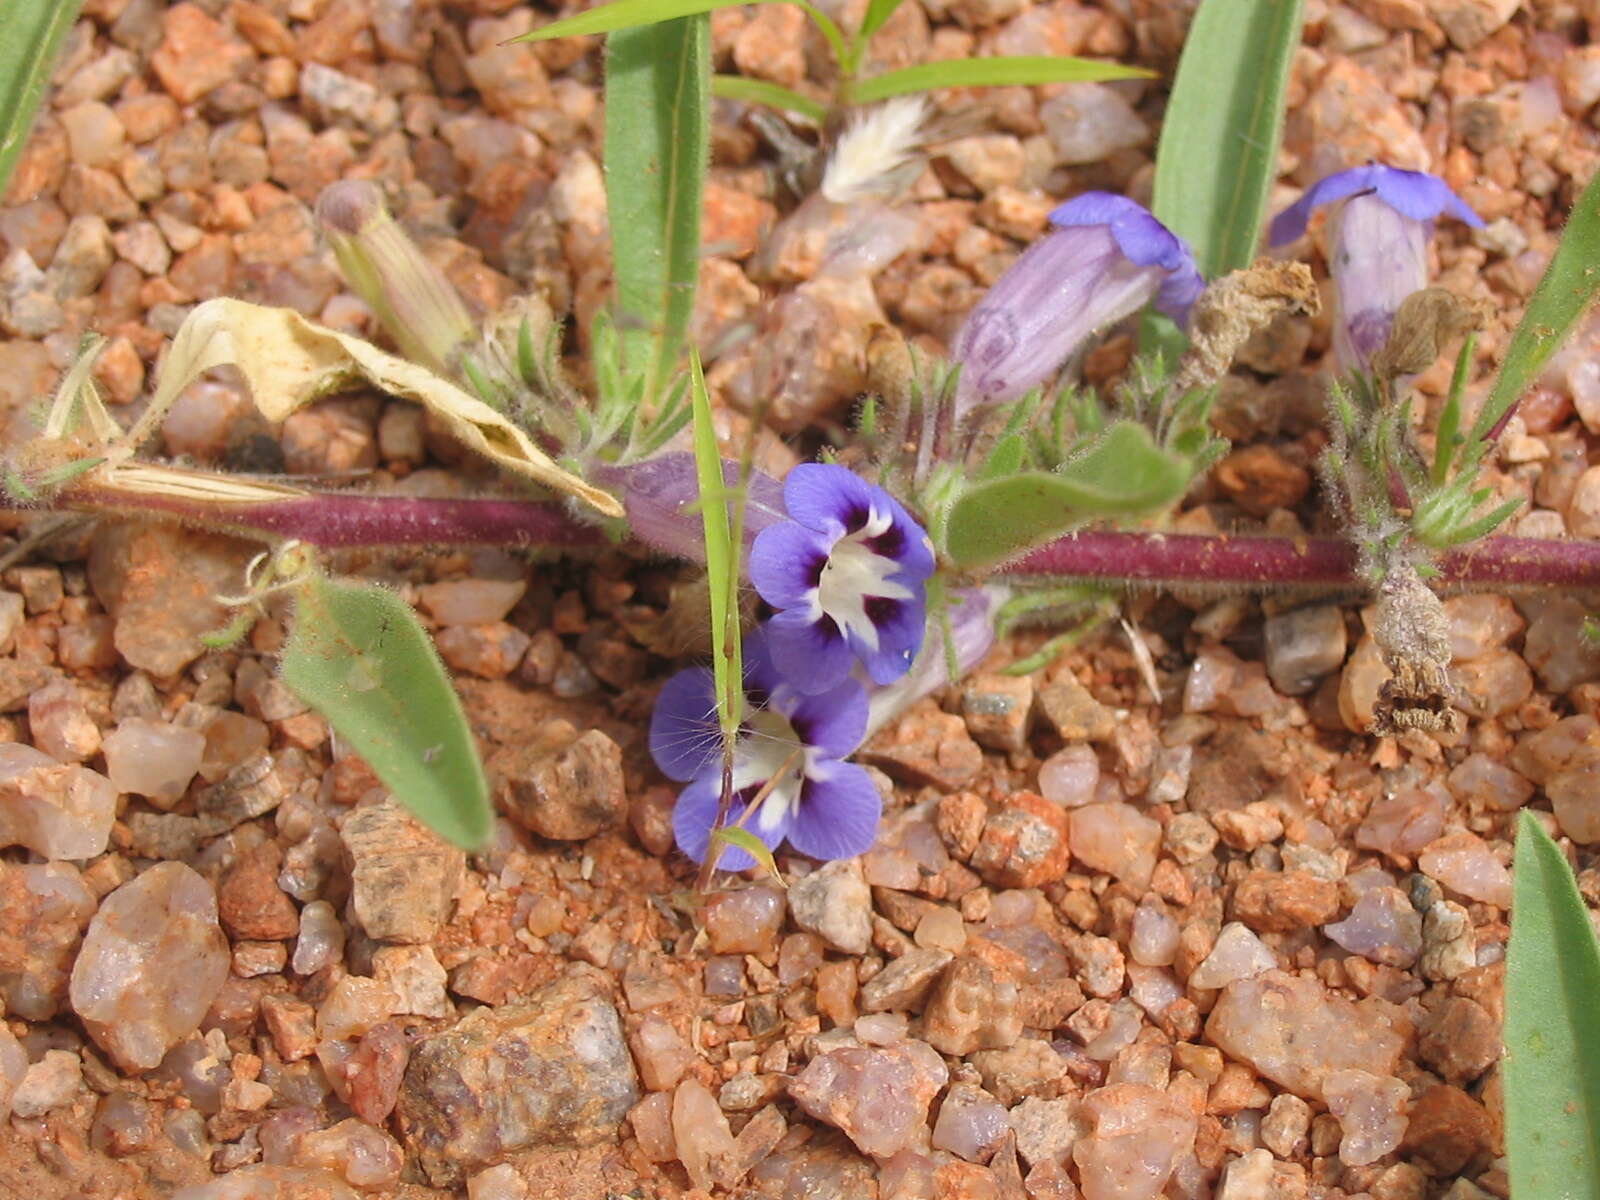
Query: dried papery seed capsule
407,293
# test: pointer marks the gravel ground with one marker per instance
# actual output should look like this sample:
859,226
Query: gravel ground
1216,941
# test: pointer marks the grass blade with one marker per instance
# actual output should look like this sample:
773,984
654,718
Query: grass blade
623,14
878,12
1218,153
359,657
722,560
759,91
30,37
989,72
1568,288
658,139
1552,1066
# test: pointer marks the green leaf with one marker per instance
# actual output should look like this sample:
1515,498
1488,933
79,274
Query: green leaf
358,656
658,82
1552,1064
722,562
988,72
759,91
30,37
1218,153
732,835
1564,294
636,14
1124,474
878,11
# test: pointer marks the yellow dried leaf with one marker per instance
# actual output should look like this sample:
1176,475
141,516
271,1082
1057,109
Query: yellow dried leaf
289,362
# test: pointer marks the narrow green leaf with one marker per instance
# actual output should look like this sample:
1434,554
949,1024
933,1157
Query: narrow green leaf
1447,436
636,14
658,131
1552,1065
878,11
358,656
989,72
1568,288
722,565
1125,474
759,91
1218,153
30,37
733,835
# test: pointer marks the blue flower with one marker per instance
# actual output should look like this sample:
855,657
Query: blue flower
1106,258
846,573
1379,246
790,745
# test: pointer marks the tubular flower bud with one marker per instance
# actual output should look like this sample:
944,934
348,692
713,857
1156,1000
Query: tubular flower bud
406,292
1106,258
1378,247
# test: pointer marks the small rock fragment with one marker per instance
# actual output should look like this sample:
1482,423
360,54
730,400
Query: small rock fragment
879,1098
57,810
49,1083
152,961
1371,1112
1135,1138
1117,839
1024,844
834,903
1238,954
903,985
154,759
970,1009
700,1133
971,1123
1383,927
46,907
403,875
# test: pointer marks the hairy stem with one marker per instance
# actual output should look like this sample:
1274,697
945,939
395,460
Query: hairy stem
1150,559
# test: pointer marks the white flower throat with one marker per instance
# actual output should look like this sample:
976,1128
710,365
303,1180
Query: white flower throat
769,749
854,571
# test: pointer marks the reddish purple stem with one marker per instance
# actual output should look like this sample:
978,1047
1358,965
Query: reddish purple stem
337,520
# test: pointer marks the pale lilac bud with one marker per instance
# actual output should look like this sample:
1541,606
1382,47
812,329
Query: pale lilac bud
1106,259
407,293
661,495
969,620
1378,247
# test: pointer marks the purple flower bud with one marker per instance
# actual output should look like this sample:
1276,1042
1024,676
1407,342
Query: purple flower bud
660,496
970,620
1106,259
1378,246
408,294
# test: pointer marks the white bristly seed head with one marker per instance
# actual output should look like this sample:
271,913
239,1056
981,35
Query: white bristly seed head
870,154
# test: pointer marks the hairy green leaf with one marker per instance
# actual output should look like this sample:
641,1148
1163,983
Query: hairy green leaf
1124,474
1218,153
988,72
1568,288
1552,1065
30,37
658,130
358,656
759,91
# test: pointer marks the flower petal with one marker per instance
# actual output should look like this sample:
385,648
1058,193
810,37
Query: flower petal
1421,196
1143,240
696,812
786,563
809,656
838,812
1292,221
683,725
831,723
901,626
827,497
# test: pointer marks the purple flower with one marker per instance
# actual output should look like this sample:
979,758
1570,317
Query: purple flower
1106,258
1379,246
822,806
846,573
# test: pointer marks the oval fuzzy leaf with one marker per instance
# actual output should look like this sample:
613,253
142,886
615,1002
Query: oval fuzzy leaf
358,656
1568,288
30,37
658,142
1552,1037
1218,153
1125,474
989,72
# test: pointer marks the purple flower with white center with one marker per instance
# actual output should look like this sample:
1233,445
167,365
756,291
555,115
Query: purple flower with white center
846,573
1378,241
1106,258
790,744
